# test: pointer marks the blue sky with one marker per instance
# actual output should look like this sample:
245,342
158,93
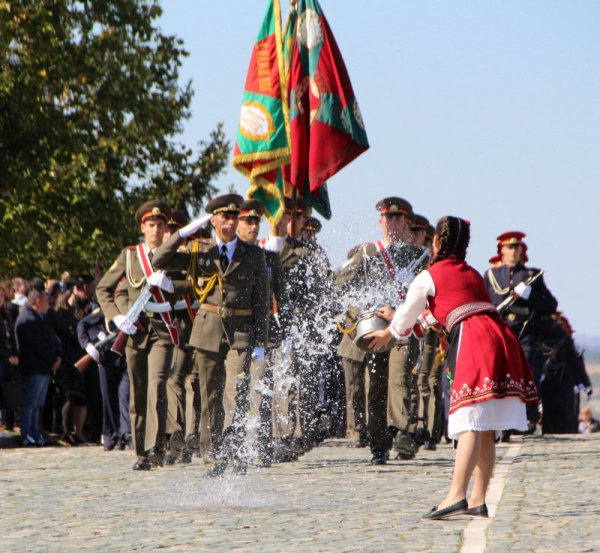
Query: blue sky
486,110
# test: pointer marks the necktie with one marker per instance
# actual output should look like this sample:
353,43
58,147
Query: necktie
223,257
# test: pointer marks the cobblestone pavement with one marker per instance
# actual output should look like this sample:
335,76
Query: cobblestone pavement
86,499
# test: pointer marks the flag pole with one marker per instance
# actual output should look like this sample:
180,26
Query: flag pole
294,211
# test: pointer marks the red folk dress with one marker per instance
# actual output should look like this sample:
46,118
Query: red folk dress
490,375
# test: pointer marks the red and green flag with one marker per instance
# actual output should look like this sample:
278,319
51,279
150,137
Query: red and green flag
326,126
263,144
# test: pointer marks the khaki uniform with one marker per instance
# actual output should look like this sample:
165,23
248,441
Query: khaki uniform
223,342
148,351
295,291
366,272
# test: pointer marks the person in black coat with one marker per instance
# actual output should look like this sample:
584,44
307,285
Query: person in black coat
9,359
38,353
114,381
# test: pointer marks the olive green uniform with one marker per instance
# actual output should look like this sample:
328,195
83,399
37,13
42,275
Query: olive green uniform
223,340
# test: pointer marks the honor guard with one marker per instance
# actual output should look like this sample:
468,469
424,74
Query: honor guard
294,403
429,374
532,299
261,388
376,273
183,387
229,277
151,338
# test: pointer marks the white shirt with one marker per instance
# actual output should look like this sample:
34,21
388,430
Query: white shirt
229,245
416,301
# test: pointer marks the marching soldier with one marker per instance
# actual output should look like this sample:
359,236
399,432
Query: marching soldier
532,299
230,280
380,273
150,345
429,374
294,397
261,389
183,388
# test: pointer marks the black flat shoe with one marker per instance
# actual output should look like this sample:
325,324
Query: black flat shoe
479,511
458,508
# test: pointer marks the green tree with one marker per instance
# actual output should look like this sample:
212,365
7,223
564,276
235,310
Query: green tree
90,107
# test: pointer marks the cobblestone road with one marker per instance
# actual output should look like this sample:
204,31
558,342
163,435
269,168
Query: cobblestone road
84,499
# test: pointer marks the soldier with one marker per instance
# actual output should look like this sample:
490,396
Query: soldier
532,300
230,280
429,374
379,273
150,345
183,387
292,379
261,389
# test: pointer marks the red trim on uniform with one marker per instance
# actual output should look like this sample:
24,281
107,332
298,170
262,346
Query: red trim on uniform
158,294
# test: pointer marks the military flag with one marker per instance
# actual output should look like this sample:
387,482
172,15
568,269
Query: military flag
262,143
326,126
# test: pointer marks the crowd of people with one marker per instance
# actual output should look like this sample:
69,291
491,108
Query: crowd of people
203,340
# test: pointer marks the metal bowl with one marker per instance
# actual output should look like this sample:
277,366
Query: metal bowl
366,323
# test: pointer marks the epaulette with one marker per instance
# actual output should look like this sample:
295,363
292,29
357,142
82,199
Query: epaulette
130,247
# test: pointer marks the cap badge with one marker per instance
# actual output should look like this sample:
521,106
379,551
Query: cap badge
156,211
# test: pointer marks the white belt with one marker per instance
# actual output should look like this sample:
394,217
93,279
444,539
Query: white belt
154,307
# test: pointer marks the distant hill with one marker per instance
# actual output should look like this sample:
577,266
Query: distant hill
591,346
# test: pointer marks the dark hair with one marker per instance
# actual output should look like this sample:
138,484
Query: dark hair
454,235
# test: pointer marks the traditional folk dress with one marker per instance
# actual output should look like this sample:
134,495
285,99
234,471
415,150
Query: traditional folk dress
490,379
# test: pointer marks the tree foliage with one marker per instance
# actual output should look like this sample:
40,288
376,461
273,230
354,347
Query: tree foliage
90,107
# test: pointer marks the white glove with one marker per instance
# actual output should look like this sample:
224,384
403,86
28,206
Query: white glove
124,326
160,280
194,226
93,352
522,290
258,354
101,335
274,243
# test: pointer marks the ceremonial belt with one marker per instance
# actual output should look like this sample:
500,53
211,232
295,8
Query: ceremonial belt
457,315
158,294
224,312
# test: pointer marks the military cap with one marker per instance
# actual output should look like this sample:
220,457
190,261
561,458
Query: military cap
394,206
178,219
251,209
419,222
312,224
298,206
510,237
226,203
153,209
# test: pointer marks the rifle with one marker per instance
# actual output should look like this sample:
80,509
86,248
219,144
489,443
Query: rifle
507,302
101,345
132,317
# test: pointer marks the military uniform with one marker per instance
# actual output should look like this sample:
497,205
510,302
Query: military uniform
261,368
232,319
148,351
380,273
524,314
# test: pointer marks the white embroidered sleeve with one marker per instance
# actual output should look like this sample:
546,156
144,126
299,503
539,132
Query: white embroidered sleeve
416,301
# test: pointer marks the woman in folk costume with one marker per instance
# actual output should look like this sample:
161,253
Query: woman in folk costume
491,380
